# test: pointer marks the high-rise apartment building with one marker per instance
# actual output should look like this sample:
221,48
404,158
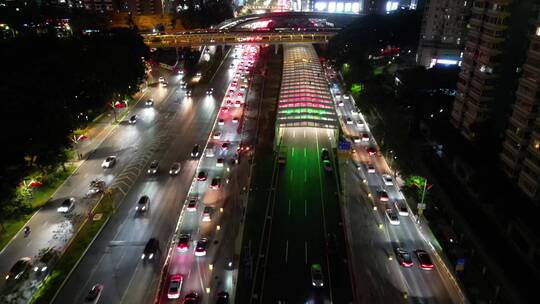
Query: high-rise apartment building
141,7
442,36
493,54
521,147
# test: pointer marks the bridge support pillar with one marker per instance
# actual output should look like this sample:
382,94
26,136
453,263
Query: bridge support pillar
276,48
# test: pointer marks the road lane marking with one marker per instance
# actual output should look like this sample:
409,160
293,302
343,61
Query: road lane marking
286,250
305,152
305,207
292,154
293,134
289,207
305,251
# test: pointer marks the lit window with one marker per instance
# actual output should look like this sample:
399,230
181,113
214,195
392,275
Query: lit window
536,144
538,31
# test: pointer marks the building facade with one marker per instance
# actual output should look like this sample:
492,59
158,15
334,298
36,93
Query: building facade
442,36
520,154
494,52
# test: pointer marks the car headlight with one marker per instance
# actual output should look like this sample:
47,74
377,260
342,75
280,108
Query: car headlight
151,256
149,171
7,276
36,268
44,268
144,208
142,256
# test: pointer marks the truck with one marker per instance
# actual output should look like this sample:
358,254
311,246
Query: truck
282,156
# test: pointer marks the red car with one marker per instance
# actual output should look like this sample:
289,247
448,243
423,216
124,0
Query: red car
183,243
201,176
371,151
424,259
383,196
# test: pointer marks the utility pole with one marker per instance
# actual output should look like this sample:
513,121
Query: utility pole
422,205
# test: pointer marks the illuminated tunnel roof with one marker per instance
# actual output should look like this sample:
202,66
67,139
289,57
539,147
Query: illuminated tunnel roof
304,98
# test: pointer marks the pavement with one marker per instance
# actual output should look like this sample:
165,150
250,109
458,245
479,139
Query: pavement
372,238
166,132
216,271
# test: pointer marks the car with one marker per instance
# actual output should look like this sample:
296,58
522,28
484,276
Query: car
164,84
387,179
192,204
325,156
424,260
225,109
133,119
392,217
109,162
20,269
209,152
67,205
383,196
150,249
348,120
317,275
210,91
240,94
191,298
175,168
359,123
94,294
188,93
365,137
237,103
219,162
149,102
371,151
216,183
143,204
217,135
341,103
327,166
346,96
356,139
404,257
402,208
175,285
198,74
243,88
183,242
225,146
207,214
222,297
154,167
200,248
231,66
201,176
370,168
161,79
235,120
195,151
355,111
221,122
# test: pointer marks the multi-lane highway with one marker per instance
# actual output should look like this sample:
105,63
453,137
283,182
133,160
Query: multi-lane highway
379,276
166,132
216,196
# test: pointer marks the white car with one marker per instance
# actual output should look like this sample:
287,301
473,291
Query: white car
161,79
209,152
340,103
219,162
67,205
346,96
387,180
356,139
221,122
175,168
392,217
349,121
149,102
217,135
235,120
354,111
370,168
359,123
108,162
402,208
365,137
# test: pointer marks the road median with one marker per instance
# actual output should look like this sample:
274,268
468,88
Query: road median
75,251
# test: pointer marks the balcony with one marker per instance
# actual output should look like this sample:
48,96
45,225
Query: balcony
483,75
461,87
495,27
527,110
532,68
489,50
480,96
520,122
480,85
476,21
530,96
456,117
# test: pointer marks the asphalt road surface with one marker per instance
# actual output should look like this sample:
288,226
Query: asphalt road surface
165,132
